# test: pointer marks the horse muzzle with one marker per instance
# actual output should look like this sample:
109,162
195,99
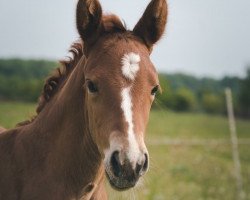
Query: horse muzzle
124,173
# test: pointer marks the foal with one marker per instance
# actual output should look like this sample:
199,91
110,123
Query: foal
92,114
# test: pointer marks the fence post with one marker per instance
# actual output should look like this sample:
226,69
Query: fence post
234,140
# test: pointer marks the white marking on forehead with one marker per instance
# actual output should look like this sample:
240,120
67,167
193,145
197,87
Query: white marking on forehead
130,65
126,106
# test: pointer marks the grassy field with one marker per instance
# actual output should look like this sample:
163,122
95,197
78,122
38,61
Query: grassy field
188,172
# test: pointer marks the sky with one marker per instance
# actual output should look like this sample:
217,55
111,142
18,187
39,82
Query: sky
203,37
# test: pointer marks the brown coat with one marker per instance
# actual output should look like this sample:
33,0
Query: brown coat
60,153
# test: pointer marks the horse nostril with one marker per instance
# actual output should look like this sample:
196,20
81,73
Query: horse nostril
145,165
140,169
115,163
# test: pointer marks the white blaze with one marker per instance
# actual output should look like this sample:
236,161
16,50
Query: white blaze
130,65
126,105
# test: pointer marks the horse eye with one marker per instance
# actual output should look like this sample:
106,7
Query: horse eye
92,87
154,90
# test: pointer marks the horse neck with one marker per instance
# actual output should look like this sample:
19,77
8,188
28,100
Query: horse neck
63,126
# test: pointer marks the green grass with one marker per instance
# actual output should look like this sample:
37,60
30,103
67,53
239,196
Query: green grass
12,113
193,125
177,172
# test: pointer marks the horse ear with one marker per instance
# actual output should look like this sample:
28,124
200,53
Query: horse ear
152,24
88,19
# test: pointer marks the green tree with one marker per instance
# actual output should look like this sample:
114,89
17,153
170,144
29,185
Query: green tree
22,80
212,103
184,100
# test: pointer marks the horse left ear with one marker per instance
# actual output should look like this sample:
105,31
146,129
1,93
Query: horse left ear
152,24
88,20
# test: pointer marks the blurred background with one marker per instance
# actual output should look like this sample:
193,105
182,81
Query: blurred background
205,49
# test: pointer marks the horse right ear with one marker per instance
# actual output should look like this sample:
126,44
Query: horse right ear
152,24
88,20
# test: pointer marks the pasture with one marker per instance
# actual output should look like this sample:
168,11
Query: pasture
180,168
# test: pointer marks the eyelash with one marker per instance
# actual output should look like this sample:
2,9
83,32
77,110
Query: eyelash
155,90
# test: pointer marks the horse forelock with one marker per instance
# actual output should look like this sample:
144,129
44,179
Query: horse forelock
112,23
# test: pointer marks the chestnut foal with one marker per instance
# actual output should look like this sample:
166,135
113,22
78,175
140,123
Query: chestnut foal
91,116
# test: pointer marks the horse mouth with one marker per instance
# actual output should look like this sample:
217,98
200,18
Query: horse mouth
119,184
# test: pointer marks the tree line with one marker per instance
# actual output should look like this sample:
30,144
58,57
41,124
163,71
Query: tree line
22,80
181,92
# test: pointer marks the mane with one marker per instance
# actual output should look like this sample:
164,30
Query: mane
111,24
59,75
